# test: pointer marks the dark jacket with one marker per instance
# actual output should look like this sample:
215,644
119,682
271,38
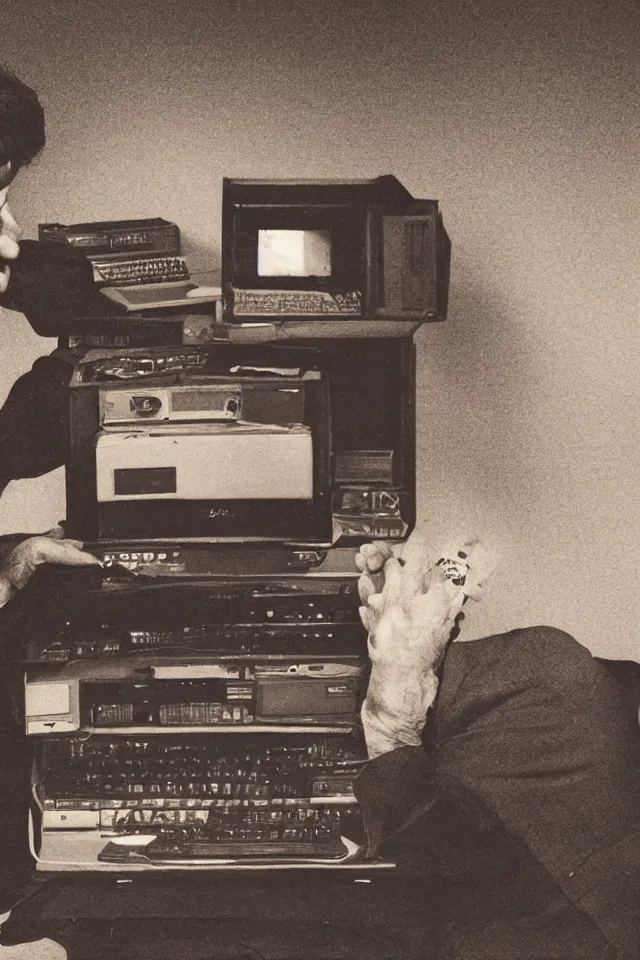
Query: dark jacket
520,818
52,284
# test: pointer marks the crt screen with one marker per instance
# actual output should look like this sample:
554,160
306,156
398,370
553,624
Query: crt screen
294,253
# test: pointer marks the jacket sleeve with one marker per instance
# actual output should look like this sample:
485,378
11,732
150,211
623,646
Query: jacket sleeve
52,284
33,420
396,791
441,832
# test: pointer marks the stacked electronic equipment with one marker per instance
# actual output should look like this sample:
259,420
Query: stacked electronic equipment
195,703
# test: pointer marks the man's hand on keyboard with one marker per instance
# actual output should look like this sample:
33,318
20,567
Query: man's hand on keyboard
20,565
410,597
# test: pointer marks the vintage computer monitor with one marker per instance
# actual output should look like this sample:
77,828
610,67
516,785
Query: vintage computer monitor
362,249
200,445
309,444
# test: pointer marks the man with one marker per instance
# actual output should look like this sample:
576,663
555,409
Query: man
22,137
28,282
52,285
522,812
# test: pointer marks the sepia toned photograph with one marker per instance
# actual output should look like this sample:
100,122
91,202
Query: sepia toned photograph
319,629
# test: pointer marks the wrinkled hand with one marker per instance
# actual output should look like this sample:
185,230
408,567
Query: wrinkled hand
409,609
22,562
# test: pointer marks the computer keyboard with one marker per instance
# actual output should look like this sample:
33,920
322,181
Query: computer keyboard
178,848
265,303
201,797
143,270
239,830
270,768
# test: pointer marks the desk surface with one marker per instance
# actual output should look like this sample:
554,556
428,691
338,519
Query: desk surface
316,918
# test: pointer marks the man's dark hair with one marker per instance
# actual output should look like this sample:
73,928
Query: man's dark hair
22,134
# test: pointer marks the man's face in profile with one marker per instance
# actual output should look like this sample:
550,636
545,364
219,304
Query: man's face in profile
9,230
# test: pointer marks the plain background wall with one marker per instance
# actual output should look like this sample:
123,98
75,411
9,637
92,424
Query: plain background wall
521,119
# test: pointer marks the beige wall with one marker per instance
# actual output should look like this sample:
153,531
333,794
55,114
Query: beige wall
523,124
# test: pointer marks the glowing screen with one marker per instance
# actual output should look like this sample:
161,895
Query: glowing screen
294,253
